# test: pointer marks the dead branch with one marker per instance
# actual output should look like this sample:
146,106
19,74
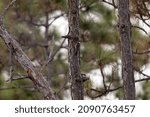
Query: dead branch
35,75
105,92
103,76
7,8
140,29
52,55
110,3
144,52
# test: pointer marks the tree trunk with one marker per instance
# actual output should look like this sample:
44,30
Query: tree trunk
47,52
126,50
74,50
34,74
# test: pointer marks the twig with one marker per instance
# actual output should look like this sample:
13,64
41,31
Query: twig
142,18
140,29
145,52
104,92
112,4
7,8
103,76
30,21
108,88
141,72
143,79
11,65
19,77
34,24
52,55
52,47
55,18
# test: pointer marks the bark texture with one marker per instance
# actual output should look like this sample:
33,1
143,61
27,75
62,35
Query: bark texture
126,49
74,50
34,74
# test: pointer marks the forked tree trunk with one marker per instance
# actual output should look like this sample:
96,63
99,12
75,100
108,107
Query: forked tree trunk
126,49
74,50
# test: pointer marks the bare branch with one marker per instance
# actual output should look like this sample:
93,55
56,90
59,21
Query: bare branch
7,8
141,17
51,57
110,3
102,92
141,72
145,52
55,18
52,47
103,76
105,92
39,24
140,29
35,75
19,77
11,65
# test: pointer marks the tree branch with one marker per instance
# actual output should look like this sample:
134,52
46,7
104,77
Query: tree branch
105,92
144,52
35,75
7,8
52,55
140,29
110,3
103,76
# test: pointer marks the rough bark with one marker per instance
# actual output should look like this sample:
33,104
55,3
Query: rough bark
74,50
34,74
126,49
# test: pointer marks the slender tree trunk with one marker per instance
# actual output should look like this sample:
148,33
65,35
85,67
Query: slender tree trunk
126,50
74,50
34,74
47,52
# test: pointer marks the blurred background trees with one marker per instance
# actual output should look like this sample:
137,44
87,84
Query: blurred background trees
33,23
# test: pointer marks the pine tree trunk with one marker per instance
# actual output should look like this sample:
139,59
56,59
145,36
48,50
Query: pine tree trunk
74,50
126,50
